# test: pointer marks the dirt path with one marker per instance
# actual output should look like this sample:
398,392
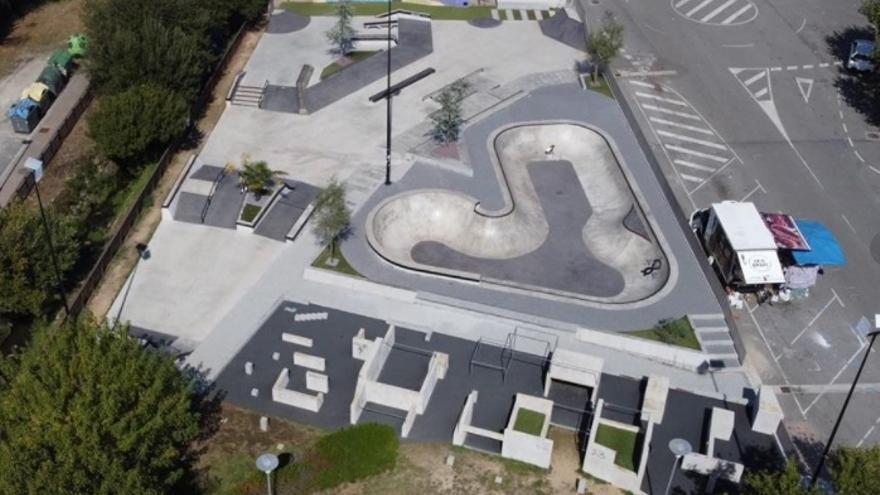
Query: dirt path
122,264
42,30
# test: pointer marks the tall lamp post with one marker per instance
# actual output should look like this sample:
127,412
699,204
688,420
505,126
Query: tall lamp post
36,167
267,463
679,448
872,335
388,102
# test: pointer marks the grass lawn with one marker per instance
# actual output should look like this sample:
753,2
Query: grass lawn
545,14
674,332
250,212
621,441
531,15
528,421
365,9
333,68
342,265
517,16
601,85
502,15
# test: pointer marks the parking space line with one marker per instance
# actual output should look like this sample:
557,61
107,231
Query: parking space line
845,366
757,188
700,154
751,312
701,130
868,433
817,315
859,156
850,225
671,112
660,98
691,178
689,139
642,84
696,166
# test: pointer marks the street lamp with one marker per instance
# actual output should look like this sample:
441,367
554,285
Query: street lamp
679,448
36,167
872,335
267,463
388,102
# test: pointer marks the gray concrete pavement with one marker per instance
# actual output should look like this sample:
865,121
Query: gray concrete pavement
766,89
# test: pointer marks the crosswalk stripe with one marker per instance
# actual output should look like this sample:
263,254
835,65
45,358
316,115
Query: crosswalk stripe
736,14
691,178
681,2
642,84
672,112
698,7
660,98
760,93
702,142
688,151
702,130
754,78
717,11
696,166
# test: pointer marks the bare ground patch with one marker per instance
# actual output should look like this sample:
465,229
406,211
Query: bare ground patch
39,32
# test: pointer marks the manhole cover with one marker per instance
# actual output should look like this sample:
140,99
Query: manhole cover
873,135
875,248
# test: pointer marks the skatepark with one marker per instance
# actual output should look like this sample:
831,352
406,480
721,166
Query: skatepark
565,199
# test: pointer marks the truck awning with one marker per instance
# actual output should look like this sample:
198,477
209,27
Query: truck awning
824,248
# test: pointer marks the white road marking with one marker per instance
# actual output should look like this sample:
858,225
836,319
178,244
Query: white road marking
824,64
868,433
681,2
775,69
703,142
808,66
743,45
859,156
805,86
717,11
850,226
694,128
816,316
696,166
874,169
761,93
642,84
791,67
775,359
845,366
691,178
672,112
850,141
698,7
803,24
737,14
660,98
840,113
757,188
754,78
700,154
845,130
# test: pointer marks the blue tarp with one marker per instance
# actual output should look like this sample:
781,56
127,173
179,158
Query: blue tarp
825,250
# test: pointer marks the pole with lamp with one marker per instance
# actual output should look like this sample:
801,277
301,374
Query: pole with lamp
679,448
36,168
267,463
388,102
872,335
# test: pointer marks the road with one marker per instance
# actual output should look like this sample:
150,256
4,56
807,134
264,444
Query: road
745,99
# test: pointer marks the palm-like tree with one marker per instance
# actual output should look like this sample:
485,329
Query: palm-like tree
257,177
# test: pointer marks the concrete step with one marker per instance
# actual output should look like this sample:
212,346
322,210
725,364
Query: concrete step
714,347
700,317
714,337
729,361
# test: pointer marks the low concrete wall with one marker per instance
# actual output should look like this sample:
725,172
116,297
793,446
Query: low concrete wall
599,460
531,4
667,354
360,285
292,397
527,448
768,413
464,419
308,361
654,401
292,338
436,372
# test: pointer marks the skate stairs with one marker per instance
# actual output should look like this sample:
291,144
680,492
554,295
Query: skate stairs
714,336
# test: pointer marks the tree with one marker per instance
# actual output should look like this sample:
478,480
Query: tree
332,216
774,482
257,177
129,123
605,44
342,32
856,470
448,120
27,276
86,410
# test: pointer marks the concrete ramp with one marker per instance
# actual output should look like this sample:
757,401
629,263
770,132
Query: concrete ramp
546,237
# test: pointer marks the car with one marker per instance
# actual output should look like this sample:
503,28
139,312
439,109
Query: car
861,56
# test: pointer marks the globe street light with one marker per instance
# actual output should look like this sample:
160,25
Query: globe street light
679,448
872,335
267,463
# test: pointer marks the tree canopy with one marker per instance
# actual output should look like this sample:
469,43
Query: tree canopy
605,44
332,215
86,410
342,32
27,277
448,119
127,124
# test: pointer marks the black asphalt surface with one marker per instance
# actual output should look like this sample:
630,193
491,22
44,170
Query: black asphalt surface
219,210
287,22
561,262
686,413
286,210
564,29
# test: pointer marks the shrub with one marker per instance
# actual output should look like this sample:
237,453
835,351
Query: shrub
354,453
128,124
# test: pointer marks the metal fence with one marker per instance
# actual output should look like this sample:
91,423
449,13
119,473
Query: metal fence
122,229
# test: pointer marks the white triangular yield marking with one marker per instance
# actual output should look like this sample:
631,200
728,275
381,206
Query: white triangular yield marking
805,85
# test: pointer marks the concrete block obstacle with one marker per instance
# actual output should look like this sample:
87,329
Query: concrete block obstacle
654,401
317,382
294,339
374,354
525,447
280,393
599,459
309,361
248,368
264,423
720,428
574,367
309,316
767,412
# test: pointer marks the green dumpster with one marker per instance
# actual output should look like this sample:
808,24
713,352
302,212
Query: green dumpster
52,78
78,45
63,60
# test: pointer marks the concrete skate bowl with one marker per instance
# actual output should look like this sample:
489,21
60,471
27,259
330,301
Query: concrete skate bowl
569,226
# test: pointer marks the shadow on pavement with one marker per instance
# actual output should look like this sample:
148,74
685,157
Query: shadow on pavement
860,91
